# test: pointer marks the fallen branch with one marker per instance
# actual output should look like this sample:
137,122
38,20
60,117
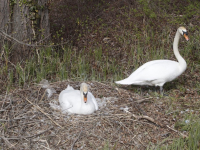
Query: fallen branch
45,147
102,84
76,139
12,38
142,117
30,45
183,135
43,95
43,112
142,100
25,137
123,91
7,142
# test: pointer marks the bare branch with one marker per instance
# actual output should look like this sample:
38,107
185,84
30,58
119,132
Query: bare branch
24,137
76,139
12,38
142,100
7,142
183,135
30,45
43,113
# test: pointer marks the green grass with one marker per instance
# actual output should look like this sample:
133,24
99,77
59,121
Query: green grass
97,63
190,123
139,31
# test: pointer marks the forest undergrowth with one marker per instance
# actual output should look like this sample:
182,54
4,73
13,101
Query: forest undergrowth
104,41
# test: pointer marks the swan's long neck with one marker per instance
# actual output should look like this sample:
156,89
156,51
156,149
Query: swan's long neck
82,97
180,59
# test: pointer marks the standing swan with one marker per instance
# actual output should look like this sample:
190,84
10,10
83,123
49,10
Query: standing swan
78,102
158,72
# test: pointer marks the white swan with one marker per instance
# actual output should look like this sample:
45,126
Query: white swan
158,72
78,102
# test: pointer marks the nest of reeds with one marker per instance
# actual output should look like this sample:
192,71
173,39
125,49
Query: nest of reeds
124,120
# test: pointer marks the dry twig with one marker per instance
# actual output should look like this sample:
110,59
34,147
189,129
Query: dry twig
25,137
142,100
7,142
43,112
76,139
183,135
142,117
30,45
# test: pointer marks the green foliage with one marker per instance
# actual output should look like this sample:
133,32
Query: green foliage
12,2
110,45
190,123
148,11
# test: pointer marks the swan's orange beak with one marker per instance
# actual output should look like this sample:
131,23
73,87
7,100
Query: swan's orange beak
85,97
186,37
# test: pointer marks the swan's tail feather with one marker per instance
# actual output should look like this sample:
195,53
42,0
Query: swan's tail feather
123,82
69,88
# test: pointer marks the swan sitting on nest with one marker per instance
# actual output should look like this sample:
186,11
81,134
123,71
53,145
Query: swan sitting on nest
77,102
158,72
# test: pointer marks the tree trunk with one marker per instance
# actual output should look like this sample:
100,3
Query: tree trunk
26,22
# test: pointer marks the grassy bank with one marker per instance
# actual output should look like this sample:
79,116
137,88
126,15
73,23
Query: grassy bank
107,41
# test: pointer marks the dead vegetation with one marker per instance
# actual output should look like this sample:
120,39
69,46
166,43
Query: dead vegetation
125,120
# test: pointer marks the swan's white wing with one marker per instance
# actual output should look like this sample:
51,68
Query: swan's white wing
93,100
64,103
70,101
131,79
153,73
160,69
69,87
66,106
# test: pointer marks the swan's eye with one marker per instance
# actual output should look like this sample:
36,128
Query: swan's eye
185,32
85,94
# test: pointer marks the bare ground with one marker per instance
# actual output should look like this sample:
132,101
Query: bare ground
126,120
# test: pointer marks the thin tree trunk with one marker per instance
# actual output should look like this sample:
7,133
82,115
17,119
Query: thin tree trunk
25,21
4,20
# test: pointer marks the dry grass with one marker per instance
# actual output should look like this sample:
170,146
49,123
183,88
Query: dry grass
28,121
